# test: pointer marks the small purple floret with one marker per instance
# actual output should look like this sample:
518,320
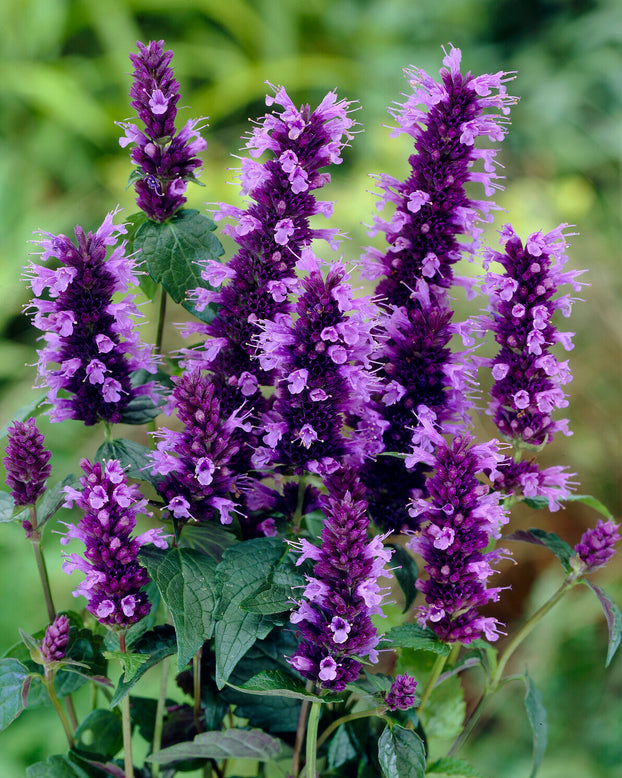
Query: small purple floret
115,581
27,462
55,639
401,695
167,159
596,546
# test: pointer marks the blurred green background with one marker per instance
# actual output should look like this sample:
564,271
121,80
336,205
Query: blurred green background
64,79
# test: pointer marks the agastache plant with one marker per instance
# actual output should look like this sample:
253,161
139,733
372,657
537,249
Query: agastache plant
431,213
335,521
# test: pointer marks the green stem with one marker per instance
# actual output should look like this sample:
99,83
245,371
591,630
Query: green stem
300,732
41,566
497,679
49,684
297,518
310,769
196,666
127,723
436,671
344,720
159,717
161,320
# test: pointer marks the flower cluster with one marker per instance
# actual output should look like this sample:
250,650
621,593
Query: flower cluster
114,579
198,462
55,639
27,462
401,695
334,618
323,359
459,520
596,546
271,234
89,335
431,210
166,160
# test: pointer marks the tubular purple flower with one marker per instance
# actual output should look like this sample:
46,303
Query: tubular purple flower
198,462
401,695
166,160
528,377
431,211
55,639
458,521
596,546
271,235
114,580
89,335
334,618
27,462
323,358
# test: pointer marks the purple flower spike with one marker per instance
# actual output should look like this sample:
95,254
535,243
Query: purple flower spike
114,579
90,336
198,463
334,618
27,462
323,356
431,206
271,235
528,376
596,546
459,520
55,639
401,695
166,160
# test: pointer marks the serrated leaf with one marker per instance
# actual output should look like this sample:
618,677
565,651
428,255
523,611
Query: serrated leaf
279,684
155,646
58,766
230,744
452,766
277,594
7,506
188,585
405,574
105,733
13,675
539,537
614,620
136,174
175,251
208,538
130,662
401,753
414,636
243,570
134,457
536,713
588,499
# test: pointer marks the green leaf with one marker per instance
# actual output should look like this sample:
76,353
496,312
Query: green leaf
280,684
230,744
155,645
539,537
100,733
134,457
53,499
141,409
130,662
452,766
32,408
276,594
7,506
13,675
406,574
175,251
187,582
243,570
538,503
587,499
444,714
209,538
614,620
414,636
401,753
59,766
341,749
536,713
